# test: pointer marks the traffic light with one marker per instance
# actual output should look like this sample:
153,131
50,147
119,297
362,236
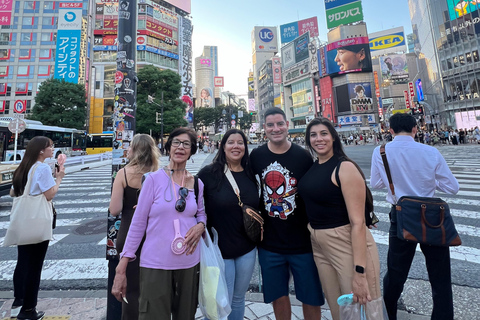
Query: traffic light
251,113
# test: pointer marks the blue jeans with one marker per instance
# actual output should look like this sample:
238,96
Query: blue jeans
238,273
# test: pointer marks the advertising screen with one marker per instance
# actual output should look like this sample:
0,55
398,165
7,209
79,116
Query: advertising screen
277,70
328,108
301,48
206,98
360,95
394,67
348,13
418,87
459,8
343,102
349,55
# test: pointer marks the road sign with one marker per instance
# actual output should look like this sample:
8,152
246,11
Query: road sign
20,106
240,113
19,115
233,116
17,125
233,122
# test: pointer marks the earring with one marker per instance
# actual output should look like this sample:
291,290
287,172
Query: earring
41,152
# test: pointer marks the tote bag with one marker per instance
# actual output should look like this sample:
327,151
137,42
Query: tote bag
31,218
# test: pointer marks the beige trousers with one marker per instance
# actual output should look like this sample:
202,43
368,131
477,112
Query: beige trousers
332,252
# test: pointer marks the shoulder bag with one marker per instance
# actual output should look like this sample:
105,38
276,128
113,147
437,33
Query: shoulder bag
252,219
31,218
424,220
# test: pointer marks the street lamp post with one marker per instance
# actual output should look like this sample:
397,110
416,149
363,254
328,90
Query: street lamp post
152,100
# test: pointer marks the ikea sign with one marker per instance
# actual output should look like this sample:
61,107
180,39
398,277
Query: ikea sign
387,41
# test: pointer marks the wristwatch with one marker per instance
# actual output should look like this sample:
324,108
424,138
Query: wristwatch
360,269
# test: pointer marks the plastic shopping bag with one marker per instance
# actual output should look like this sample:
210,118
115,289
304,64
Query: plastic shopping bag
373,310
212,294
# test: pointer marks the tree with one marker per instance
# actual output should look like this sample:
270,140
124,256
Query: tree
214,117
154,82
60,103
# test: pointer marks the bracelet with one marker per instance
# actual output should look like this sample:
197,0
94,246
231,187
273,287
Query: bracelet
203,224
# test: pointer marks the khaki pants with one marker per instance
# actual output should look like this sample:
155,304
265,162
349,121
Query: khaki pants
332,252
168,294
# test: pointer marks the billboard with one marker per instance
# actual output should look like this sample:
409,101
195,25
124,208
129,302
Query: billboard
265,39
288,55
467,119
330,4
344,14
349,55
328,108
292,30
301,48
6,13
67,53
185,5
360,95
342,98
459,8
184,64
206,98
251,88
313,56
356,119
277,70
394,67
388,41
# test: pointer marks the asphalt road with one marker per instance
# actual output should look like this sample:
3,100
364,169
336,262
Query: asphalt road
76,258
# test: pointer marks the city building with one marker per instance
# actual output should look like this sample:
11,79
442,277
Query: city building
163,40
447,44
206,69
410,43
28,41
264,47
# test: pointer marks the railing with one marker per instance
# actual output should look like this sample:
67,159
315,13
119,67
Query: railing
78,160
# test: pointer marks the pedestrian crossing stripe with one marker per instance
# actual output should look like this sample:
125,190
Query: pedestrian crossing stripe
49,318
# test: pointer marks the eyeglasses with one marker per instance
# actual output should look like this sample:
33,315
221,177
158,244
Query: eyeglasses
52,146
181,203
186,144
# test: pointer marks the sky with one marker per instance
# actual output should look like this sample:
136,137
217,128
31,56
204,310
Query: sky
228,25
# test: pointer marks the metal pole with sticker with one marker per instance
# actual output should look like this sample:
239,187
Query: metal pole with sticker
124,112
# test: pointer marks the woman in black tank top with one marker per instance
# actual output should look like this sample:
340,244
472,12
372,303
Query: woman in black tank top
143,156
334,192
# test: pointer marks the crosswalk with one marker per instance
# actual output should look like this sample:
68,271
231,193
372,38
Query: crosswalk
84,197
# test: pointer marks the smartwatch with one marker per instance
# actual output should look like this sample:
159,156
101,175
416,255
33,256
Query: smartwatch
360,269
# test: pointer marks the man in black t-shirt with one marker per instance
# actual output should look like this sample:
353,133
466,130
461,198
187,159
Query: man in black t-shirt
286,245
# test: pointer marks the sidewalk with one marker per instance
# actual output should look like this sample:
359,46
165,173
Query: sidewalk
92,305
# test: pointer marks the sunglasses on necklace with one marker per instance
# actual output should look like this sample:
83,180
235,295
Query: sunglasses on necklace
181,203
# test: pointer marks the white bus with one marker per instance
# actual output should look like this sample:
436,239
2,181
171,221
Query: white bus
67,141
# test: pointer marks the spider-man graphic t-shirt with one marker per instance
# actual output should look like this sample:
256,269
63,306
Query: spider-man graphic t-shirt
285,229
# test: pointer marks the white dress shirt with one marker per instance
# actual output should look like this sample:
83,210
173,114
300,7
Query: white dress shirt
417,170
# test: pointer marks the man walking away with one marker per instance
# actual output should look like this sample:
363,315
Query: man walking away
286,245
431,173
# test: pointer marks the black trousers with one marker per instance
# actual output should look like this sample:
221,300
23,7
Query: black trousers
26,278
399,260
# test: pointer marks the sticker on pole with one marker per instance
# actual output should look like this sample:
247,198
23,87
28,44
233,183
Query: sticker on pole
118,77
17,125
20,106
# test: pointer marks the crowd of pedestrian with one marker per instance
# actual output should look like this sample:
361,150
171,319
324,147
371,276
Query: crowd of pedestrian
449,136
314,211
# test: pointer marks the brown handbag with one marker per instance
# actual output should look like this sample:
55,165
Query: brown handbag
424,220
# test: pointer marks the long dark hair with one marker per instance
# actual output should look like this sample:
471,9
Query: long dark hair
220,160
32,152
337,152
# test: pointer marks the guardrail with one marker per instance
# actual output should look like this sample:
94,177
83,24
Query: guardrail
77,160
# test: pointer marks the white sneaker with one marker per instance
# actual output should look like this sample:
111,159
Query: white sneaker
15,311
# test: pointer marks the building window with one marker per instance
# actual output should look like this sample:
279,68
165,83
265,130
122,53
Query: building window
3,89
4,37
43,71
3,71
24,54
45,54
48,6
4,54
